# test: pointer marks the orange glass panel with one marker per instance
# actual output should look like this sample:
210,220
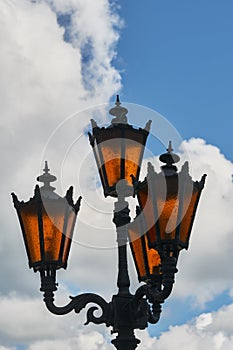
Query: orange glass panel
168,218
137,249
153,260
111,151
53,222
99,165
30,222
146,260
133,152
189,209
160,206
149,212
168,205
68,235
139,259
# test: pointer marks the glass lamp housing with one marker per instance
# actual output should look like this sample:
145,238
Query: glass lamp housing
47,222
169,202
147,260
118,150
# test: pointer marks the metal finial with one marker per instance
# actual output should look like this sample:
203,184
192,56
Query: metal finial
118,112
169,159
46,168
148,125
93,124
46,178
170,149
118,102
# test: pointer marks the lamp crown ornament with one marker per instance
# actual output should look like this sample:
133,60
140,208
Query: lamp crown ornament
118,112
47,190
169,158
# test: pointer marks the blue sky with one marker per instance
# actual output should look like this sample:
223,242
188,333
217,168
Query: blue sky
59,58
176,57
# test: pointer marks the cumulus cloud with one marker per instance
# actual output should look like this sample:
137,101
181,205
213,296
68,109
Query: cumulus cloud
45,79
204,270
26,321
207,330
42,83
43,330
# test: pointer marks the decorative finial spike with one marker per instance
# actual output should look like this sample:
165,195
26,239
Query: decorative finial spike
46,168
185,167
118,112
202,182
150,167
138,210
46,178
77,204
15,199
170,149
148,125
93,124
169,159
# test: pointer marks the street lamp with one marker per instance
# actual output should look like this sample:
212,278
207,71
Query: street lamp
167,205
118,150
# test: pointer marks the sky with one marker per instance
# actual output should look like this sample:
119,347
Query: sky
61,64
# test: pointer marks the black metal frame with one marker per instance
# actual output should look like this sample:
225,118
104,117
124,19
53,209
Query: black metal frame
183,177
120,127
126,312
39,204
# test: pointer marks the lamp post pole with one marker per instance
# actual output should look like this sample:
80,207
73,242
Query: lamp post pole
123,319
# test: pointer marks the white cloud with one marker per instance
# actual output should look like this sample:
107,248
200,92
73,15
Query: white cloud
204,270
42,83
90,341
27,322
44,80
207,330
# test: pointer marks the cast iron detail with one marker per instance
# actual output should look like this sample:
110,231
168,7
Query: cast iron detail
126,312
77,303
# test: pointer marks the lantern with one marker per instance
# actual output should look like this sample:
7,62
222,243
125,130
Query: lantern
169,202
118,150
47,222
147,261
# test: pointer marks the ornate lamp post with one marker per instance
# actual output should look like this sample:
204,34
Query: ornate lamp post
167,205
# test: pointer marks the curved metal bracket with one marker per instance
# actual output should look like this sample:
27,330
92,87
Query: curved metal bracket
157,293
77,303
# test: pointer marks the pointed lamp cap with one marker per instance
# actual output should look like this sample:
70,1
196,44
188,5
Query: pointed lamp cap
47,191
118,112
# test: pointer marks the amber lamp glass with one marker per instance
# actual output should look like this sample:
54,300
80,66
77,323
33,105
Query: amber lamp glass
118,149
169,202
147,261
47,222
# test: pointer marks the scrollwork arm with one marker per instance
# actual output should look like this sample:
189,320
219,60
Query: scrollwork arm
77,303
156,293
